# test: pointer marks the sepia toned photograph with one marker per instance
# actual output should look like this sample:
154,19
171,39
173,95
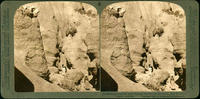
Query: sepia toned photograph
143,47
56,47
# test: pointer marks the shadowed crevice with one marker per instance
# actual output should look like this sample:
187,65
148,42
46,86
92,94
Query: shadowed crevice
22,84
107,83
91,56
177,56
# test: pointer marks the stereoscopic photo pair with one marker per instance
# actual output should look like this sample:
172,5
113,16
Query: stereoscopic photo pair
129,47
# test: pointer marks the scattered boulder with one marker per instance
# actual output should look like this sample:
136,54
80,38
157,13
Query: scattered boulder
157,80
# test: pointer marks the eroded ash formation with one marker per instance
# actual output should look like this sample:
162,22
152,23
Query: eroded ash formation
146,42
59,42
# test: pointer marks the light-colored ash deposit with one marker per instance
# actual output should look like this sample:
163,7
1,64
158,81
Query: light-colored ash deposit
58,42
146,43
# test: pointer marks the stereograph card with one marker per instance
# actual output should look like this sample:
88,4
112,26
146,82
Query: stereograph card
100,49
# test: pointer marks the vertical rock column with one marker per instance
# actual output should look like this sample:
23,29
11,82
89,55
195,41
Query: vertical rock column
49,31
135,27
114,40
28,40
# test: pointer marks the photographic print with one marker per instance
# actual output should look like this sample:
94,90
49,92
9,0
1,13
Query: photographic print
56,47
143,47
100,49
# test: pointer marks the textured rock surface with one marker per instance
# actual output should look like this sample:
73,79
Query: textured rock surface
60,40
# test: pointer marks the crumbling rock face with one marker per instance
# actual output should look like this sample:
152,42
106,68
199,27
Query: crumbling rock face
63,39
